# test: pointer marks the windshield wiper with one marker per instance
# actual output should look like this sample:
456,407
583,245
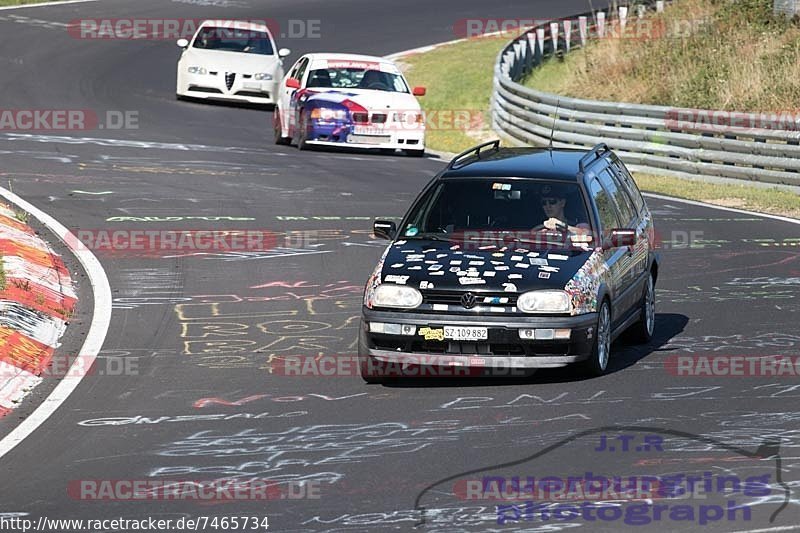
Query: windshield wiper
427,236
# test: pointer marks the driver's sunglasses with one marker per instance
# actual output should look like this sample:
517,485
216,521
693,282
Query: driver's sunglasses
550,201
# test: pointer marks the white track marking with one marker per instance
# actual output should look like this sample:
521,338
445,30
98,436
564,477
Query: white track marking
48,4
722,208
101,318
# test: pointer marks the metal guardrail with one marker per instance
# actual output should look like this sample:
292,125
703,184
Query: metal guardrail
655,139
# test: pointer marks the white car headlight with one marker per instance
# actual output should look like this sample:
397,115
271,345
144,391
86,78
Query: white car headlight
197,70
544,302
262,76
396,296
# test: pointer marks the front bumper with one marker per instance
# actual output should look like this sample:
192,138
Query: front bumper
341,133
213,87
502,349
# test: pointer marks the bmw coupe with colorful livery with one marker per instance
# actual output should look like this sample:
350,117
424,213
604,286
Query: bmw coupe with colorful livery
513,258
349,100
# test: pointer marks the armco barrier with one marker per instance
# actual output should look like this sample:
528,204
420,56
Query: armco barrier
655,139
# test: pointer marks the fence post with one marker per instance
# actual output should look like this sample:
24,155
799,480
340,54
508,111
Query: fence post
582,26
623,17
567,33
659,6
601,24
554,35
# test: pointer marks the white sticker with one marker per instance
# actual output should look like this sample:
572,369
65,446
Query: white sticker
391,278
541,261
504,267
425,285
429,250
489,274
438,273
456,262
440,307
398,265
477,263
415,256
533,254
434,268
461,273
439,256
516,258
473,273
514,276
415,268
544,275
471,281
522,265
400,243
557,257
509,287
549,268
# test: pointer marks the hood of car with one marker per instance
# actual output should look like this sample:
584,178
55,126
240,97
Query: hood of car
436,265
221,61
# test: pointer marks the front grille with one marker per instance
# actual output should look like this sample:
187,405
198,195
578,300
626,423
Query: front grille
378,118
197,89
253,94
452,299
229,79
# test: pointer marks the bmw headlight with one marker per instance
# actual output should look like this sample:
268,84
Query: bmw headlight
325,113
387,295
544,302
197,70
262,76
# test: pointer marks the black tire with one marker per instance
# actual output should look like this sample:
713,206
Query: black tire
302,132
415,153
597,364
642,331
278,129
180,98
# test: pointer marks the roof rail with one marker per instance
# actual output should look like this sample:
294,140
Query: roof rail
598,151
476,150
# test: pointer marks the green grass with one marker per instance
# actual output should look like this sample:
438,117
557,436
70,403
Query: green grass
458,78
709,54
22,2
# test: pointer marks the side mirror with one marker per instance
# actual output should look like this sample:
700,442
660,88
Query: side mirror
293,83
419,91
183,43
283,52
620,237
384,229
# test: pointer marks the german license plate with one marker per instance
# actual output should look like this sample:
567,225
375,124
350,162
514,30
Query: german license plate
460,333
367,130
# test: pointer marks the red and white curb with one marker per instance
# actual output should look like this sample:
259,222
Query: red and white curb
35,305
36,300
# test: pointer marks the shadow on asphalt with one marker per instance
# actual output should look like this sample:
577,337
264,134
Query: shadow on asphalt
623,355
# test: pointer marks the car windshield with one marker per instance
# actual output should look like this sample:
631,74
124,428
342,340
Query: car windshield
357,78
234,40
496,209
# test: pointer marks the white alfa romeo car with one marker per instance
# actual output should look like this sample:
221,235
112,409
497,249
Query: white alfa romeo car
349,100
230,60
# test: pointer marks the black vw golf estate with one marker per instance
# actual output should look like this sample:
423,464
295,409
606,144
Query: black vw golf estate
513,258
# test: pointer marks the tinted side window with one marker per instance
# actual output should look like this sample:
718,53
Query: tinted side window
619,197
630,185
301,70
605,207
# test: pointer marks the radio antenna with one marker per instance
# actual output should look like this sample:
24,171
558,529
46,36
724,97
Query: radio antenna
553,127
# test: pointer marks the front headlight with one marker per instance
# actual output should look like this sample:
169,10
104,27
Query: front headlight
544,302
262,76
396,296
324,113
197,70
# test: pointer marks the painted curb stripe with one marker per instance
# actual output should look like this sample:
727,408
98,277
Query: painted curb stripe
98,329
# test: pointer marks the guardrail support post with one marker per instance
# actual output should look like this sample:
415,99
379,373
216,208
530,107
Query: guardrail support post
641,9
535,53
567,33
659,6
601,24
540,40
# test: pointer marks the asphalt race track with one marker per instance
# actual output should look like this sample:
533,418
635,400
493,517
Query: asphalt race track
383,457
